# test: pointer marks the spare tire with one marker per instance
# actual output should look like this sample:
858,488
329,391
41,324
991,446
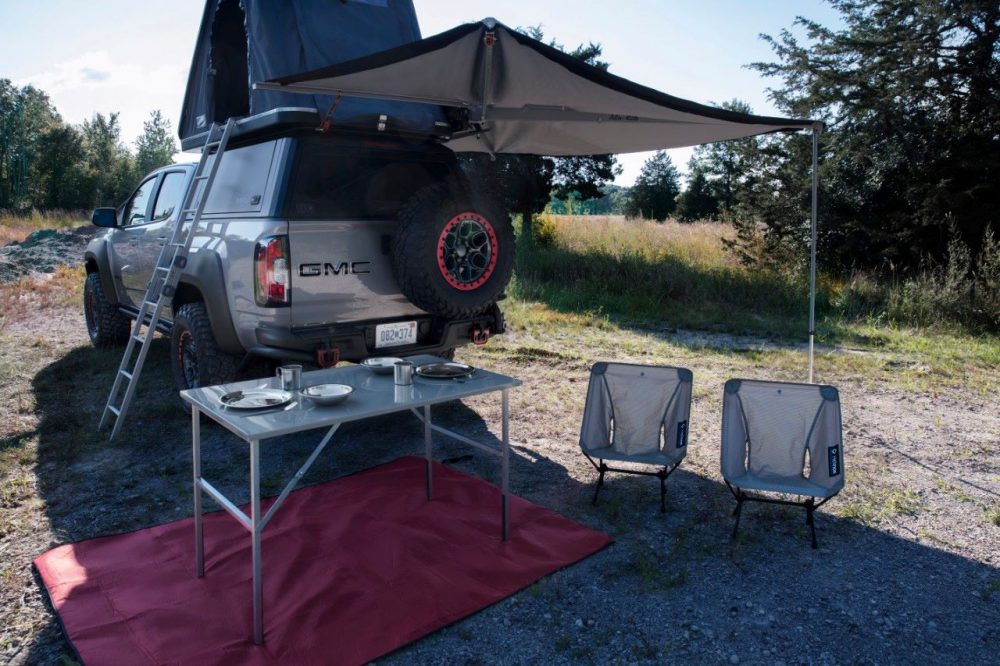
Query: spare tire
453,256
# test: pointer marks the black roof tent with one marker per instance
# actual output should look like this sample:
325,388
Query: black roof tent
241,41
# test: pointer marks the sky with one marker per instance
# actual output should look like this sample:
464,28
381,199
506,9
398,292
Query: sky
131,57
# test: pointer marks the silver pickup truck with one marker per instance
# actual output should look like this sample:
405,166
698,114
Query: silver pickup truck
314,247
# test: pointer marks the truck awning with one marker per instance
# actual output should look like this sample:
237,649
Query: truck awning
510,93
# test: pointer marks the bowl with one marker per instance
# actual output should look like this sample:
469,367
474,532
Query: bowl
381,365
327,394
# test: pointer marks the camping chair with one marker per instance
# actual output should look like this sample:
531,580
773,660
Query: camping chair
782,438
636,414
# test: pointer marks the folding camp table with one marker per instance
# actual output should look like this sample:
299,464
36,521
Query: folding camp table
374,395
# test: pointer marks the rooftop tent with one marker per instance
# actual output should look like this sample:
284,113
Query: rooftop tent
241,41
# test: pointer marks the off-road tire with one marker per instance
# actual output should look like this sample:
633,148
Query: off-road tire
420,247
195,358
106,325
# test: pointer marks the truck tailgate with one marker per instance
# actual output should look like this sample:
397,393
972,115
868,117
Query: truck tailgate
342,272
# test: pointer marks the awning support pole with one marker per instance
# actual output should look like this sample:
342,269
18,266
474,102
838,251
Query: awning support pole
812,247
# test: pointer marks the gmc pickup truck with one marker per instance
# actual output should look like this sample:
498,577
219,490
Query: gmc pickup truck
314,247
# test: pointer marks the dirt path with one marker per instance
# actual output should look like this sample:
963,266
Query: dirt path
908,569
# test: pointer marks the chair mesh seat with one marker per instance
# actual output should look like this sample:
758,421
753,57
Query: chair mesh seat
636,414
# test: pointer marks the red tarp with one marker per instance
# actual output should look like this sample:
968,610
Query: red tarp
353,569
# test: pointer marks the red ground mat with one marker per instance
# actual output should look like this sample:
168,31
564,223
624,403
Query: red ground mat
353,569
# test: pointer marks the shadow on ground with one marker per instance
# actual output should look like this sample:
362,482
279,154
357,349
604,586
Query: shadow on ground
673,588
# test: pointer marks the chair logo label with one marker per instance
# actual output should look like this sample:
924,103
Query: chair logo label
682,434
833,459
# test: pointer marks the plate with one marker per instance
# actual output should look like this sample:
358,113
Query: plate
447,370
381,365
327,394
256,399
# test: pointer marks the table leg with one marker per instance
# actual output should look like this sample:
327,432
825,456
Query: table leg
428,450
258,610
199,537
505,463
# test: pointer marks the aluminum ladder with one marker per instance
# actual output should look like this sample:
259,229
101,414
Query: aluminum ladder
166,276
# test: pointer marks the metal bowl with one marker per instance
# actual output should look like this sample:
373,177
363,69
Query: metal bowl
381,365
327,394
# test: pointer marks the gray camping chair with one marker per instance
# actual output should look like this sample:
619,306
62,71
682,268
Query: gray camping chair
636,414
780,437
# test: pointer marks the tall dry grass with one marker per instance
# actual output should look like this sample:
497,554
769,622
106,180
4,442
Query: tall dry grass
18,226
661,272
23,299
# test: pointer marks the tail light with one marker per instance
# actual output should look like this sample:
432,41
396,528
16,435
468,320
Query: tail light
272,281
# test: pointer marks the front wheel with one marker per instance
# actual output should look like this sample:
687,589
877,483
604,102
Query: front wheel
106,326
195,358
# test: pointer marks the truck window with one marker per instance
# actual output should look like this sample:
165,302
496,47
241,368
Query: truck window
333,179
135,210
169,196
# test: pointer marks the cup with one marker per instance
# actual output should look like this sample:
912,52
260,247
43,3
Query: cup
402,394
290,377
403,373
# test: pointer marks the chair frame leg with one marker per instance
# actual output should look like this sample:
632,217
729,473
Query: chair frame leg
662,474
810,505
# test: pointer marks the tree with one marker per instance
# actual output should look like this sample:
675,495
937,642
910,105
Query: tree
524,183
909,90
25,116
108,167
155,147
697,202
656,188
724,163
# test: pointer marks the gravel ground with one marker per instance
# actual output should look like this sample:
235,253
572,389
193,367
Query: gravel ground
908,569
43,251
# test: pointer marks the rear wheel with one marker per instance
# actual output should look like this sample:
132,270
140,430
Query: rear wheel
195,358
453,256
106,326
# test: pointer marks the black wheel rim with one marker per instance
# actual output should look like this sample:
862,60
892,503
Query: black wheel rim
467,251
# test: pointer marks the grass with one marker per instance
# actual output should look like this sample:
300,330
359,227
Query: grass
871,504
17,226
606,273
21,299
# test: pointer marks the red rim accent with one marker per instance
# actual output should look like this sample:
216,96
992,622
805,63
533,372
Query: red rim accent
442,250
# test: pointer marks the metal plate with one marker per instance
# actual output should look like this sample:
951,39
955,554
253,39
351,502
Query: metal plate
396,334
448,370
256,399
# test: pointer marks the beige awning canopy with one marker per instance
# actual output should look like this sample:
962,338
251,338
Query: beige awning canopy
509,93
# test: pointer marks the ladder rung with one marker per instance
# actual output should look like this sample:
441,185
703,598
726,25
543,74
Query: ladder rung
165,269
126,374
114,410
201,177
178,244
139,338
152,303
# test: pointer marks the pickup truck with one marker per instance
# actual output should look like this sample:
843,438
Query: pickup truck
313,247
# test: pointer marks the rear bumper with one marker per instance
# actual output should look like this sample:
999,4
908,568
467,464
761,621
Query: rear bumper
356,341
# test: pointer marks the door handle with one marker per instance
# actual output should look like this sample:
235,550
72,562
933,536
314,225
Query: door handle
134,242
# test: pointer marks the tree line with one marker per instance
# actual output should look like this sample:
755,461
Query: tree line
47,163
909,91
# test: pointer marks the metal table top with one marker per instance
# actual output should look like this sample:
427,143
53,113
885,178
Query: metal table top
374,395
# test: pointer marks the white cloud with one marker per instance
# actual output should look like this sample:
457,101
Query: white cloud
97,81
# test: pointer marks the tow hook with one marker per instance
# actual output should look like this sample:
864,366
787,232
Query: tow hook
327,357
480,335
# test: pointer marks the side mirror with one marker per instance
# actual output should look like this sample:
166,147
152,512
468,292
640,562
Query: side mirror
105,217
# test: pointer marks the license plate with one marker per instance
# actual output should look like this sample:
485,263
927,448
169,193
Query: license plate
395,335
